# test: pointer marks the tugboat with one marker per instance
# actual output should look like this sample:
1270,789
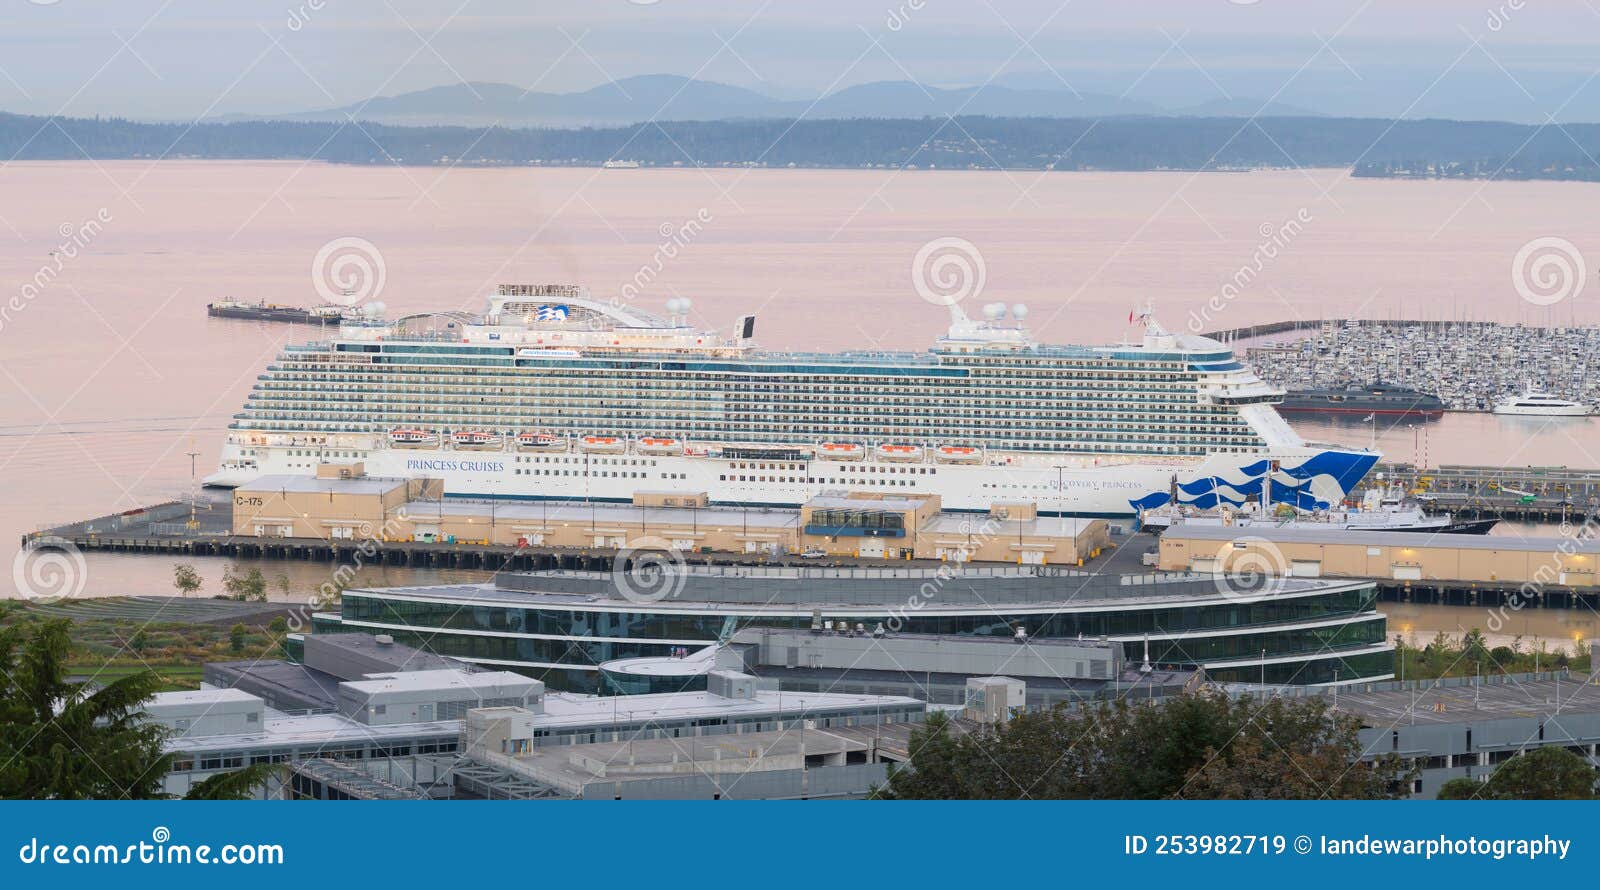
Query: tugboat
1383,399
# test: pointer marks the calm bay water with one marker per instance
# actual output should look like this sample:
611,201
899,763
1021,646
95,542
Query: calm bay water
111,375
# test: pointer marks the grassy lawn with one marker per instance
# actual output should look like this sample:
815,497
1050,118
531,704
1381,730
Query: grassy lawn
106,649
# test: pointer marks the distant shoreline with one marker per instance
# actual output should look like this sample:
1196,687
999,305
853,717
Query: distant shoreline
1369,148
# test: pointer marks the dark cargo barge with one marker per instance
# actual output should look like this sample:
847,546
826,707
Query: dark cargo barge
263,311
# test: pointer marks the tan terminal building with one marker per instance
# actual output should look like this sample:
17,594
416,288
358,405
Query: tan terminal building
343,503
1396,556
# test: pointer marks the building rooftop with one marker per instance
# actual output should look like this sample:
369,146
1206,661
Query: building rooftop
279,730
567,710
438,681
838,499
285,685
1042,526
1334,535
1462,701
842,591
313,484
201,698
397,656
597,514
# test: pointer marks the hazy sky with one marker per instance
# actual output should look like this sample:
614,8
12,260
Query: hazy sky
179,59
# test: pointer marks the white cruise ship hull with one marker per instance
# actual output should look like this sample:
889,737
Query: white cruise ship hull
1309,477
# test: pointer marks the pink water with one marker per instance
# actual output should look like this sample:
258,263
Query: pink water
112,373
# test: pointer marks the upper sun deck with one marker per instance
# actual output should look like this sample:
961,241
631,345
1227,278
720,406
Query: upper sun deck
562,323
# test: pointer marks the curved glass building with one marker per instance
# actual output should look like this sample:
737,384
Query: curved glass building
561,626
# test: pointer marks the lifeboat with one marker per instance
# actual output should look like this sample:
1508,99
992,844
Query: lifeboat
657,445
603,444
407,437
841,451
899,453
531,441
476,439
957,454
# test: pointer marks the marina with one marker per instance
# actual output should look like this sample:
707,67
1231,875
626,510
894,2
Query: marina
1469,366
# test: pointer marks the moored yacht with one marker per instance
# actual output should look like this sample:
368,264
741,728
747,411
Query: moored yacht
1535,404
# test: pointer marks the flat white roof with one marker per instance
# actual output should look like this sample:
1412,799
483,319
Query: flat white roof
200,697
280,730
441,680
562,710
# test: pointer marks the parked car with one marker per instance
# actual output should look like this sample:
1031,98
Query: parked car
814,553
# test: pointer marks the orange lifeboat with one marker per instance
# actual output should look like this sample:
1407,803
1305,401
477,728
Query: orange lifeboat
603,444
900,453
409,437
957,454
841,451
532,441
475,439
659,445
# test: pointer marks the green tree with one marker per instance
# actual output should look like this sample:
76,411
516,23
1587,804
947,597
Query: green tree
1476,649
185,578
240,784
282,584
140,640
237,636
79,740
1460,789
250,586
66,740
1201,745
1549,773
278,626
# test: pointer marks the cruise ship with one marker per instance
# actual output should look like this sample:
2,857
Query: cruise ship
555,394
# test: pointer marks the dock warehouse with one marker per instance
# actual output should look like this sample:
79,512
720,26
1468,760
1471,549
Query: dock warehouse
343,504
1394,556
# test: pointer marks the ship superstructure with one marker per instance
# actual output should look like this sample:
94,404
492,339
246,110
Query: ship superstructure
554,394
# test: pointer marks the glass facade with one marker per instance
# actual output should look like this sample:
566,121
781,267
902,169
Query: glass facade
675,625
583,639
